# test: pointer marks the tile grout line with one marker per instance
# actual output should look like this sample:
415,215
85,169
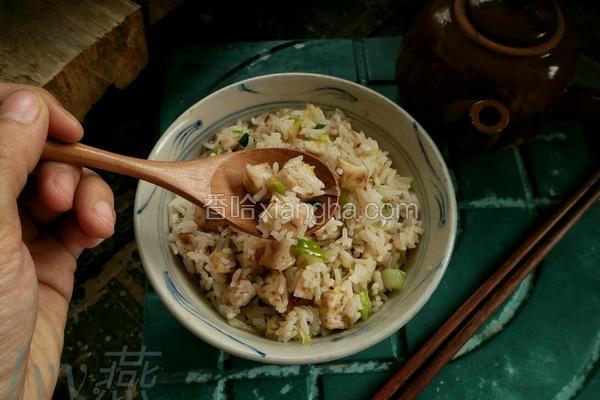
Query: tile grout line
525,182
267,371
220,392
313,382
395,343
360,61
221,361
506,202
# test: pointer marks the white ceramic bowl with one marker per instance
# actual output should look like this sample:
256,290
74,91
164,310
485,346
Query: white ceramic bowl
413,153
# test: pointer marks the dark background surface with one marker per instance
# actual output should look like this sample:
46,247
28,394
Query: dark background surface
126,118
107,305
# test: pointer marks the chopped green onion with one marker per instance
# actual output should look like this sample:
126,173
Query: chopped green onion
393,279
297,125
309,248
244,139
324,138
366,309
305,337
275,185
345,198
243,136
320,126
217,150
272,326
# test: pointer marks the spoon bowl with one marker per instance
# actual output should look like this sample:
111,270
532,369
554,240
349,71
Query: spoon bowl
213,182
229,185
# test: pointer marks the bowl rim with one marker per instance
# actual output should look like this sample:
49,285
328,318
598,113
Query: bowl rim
271,357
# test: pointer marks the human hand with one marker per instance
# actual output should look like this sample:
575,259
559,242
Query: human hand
45,222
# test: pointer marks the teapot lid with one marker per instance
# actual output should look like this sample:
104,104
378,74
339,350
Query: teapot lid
519,23
515,27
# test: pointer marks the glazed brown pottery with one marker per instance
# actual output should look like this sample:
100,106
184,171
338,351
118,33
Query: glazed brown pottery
486,73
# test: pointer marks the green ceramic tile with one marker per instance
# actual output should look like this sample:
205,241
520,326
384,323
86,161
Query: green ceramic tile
330,57
291,388
194,72
182,390
591,390
181,350
352,386
241,363
491,178
552,342
559,159
487,235
380,54
390,348
389,90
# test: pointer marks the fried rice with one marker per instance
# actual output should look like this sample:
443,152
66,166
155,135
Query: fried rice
291,284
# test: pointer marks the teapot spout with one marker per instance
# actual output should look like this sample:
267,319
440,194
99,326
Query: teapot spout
489,116
486,120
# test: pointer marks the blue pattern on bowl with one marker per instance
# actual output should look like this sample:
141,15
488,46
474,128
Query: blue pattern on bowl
181,299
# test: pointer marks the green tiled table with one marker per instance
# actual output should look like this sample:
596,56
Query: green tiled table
543,344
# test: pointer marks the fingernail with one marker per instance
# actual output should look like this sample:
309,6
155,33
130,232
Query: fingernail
22,106
65,184
105,212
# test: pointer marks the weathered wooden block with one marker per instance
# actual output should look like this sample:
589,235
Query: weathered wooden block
75,49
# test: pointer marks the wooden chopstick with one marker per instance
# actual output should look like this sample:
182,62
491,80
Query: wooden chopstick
496,300
588,192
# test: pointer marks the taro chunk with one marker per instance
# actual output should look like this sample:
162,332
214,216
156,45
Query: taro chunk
332,310
354,176
274,292
256,178
240,293
223,260
278,255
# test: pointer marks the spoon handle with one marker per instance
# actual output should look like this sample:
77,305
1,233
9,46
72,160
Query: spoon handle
81,154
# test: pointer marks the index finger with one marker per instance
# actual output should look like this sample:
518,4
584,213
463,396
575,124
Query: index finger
62,125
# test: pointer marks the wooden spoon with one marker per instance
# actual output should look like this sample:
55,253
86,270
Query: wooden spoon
212,182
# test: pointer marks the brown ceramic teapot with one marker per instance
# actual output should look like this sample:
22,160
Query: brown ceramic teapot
492,70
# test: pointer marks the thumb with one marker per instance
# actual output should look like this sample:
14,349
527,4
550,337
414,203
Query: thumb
23,131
